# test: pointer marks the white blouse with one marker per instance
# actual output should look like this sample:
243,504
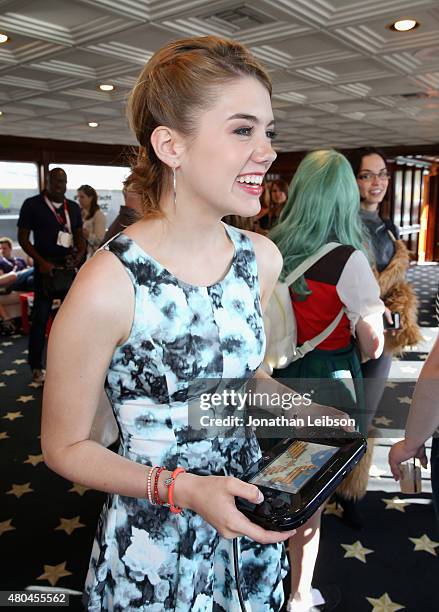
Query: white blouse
96,231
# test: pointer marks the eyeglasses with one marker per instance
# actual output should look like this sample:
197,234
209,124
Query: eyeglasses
368,176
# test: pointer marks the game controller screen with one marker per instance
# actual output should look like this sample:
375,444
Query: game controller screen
295,466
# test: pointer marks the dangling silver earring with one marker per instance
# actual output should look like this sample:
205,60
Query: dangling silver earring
174,184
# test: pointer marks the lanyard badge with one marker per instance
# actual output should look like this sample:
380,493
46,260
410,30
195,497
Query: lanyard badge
65,238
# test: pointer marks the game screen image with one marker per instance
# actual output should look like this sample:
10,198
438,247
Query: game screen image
295,466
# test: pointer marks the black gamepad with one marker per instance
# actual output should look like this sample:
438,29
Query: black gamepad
287,505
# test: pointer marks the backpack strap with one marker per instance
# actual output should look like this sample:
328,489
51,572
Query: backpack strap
309,262
310,345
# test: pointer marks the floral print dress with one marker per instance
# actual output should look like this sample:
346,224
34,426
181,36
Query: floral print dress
144,557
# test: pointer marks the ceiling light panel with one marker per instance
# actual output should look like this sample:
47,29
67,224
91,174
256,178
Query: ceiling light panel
60,51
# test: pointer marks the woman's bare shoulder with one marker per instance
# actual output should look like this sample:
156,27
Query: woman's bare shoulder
269,261
102,292
102,272
267,253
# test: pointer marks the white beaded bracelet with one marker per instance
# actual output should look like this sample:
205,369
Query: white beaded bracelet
149,485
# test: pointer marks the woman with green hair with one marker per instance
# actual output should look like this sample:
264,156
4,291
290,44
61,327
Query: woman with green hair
323,207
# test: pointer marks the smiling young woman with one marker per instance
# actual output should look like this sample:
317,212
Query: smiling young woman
174,299
391,261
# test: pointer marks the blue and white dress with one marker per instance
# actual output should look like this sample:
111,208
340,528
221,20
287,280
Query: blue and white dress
144,557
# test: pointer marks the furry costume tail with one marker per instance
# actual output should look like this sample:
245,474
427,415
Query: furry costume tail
354,486
398,296
401,298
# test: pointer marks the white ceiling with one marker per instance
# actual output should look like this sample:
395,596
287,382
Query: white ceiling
340,77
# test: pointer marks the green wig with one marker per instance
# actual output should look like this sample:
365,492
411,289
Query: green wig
323,206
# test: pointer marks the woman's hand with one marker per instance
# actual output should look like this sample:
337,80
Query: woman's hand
213,498
388,315
369,342
400,452
85,232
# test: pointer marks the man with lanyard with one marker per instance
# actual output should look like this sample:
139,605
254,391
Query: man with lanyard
58,242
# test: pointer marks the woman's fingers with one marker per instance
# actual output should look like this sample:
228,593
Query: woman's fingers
244,526
247,491
218,508
422,456
399,453
395,459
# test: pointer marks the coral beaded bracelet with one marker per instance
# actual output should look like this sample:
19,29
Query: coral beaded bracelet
170,482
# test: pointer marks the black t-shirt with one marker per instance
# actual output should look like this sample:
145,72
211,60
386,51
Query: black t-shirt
35,215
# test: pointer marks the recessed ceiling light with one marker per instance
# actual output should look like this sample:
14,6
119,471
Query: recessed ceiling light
404,25
106,87
4,38
1,113
93,124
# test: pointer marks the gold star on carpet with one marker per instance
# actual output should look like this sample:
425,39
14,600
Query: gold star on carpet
25,352
9,372
6,526
404,400
382,420
35,385
19,361
391,385
69,525
424,543
356,551
80,489
2,384
20,490
1,352
395,504
3,435
11,416
34,459
25,398
383,604
53,573
7,343
334,509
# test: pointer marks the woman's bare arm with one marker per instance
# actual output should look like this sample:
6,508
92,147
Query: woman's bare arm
95,317
423,418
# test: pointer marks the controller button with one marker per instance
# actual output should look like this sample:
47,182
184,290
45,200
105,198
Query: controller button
264,509
279,503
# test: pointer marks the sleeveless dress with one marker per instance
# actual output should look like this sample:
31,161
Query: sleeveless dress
144,557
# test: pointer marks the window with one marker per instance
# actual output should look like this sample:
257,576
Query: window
397,198
107,180
408,196
18,181
417,196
